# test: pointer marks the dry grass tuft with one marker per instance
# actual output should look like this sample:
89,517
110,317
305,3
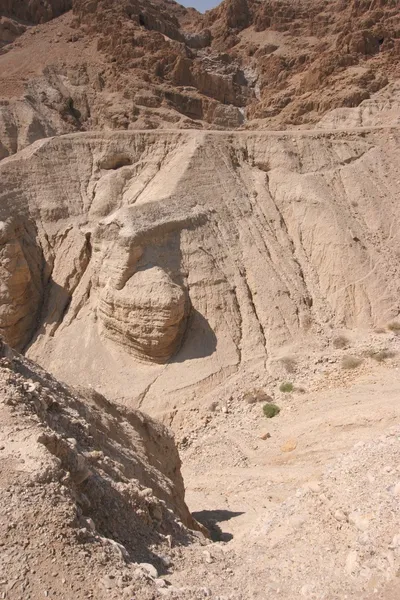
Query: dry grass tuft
289,363
380,355
351,362
257,395
340,342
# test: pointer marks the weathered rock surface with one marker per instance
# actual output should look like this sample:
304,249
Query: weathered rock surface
147,316
21,287
201,251
245,64
81,477
32,11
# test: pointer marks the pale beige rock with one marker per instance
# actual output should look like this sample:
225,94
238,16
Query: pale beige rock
248,238
62,495
147,317
289,446
20,281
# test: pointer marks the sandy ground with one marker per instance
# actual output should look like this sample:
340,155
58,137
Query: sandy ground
237,482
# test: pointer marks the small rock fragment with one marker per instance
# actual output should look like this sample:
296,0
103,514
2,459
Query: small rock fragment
314,486
289,446
149,569
340,516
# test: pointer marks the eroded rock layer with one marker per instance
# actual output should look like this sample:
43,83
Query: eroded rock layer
201,251
246,64
96,479
146,316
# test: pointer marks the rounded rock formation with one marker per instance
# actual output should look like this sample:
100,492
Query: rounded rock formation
147,316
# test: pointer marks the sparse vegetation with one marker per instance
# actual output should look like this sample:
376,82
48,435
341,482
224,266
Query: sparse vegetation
286,387
340,342
257,395
289,363
271,410
351,362
380,355
395,327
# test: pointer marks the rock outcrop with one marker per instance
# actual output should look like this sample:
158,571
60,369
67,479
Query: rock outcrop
147,316
33,11
178,258
96,479
21,276
244,64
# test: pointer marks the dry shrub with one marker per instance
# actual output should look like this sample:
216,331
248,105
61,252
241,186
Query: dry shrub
380,355
257,395
395,327
289,363
340,342
351,362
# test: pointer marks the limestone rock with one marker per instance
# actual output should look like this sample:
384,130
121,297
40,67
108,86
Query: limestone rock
210,248
147,316
20,282
35,12
91,508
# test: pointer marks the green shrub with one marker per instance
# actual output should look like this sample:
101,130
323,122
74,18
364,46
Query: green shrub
340,342
351,362
271,410
286,387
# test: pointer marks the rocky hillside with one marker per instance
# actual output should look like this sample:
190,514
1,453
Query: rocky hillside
92,498
144,65
177,259
199,219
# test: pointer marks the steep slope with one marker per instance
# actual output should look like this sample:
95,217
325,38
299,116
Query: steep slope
178,259
148,65
308,57
89,491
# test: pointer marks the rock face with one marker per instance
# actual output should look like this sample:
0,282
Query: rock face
147,316
177,258
32,11
95,478
21,287
245,64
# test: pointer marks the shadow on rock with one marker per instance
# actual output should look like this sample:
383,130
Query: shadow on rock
211,520
200,340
